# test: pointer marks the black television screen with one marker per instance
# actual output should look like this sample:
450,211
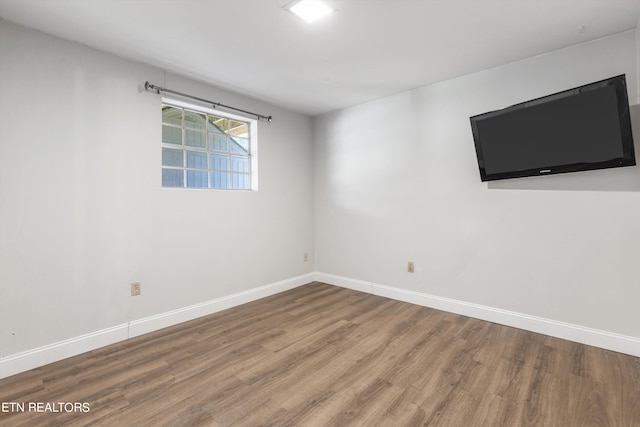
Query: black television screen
579,129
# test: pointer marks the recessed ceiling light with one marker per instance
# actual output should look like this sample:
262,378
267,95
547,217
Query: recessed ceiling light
311,10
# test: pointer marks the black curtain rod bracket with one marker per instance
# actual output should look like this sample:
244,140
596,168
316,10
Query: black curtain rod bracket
158,89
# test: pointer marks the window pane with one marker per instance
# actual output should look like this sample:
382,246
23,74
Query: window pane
219,162
172,178
194,138
219,179
196,179
239,181
172,115
171,135
201,150
240,129
239,164
194,120
217,141
171,157
196,160
217,124
240,145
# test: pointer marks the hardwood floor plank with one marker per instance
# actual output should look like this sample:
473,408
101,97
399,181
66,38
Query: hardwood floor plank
497,411
364,400
319,355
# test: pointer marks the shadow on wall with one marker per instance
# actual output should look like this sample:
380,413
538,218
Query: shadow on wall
616,179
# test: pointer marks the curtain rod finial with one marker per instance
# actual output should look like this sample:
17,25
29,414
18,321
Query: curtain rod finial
148,86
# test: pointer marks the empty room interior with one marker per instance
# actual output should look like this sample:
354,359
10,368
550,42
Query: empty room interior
231,213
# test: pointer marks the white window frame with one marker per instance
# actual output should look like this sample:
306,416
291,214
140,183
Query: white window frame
252,155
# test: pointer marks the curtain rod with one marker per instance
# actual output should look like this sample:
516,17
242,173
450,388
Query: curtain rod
159,89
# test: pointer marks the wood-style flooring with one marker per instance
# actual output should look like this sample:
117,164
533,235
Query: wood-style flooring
320,355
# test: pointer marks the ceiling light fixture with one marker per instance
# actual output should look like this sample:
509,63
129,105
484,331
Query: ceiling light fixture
311,10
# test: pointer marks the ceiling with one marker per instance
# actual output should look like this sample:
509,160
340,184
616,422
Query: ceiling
368,49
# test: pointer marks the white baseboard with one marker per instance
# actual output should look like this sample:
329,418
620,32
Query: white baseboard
20,362
30,359
170,318
581,334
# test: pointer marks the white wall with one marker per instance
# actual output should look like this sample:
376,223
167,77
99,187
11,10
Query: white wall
637,31
82,211
396,180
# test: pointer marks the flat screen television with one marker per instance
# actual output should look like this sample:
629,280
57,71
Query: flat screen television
579,129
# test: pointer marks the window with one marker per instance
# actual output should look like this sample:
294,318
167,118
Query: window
204,148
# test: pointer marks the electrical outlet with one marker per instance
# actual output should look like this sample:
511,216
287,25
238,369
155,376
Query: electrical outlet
410,268
305,257
135,289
